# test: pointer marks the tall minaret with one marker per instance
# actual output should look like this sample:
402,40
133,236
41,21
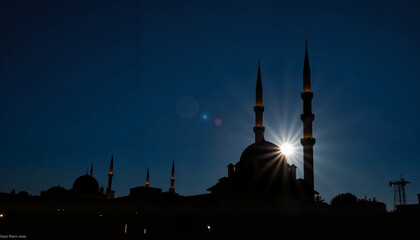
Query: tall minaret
307,117
259,109
147,178
172,188
109,192
91,170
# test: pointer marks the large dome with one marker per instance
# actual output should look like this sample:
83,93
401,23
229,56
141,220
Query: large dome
260,151
57,190
86,185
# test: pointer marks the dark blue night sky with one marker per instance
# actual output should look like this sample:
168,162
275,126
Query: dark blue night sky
81,80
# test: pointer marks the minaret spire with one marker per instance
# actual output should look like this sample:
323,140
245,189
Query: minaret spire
259,108
307,117
109,192
147,178
91,170
306,71
172,188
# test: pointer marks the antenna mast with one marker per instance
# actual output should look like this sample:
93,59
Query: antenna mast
399,191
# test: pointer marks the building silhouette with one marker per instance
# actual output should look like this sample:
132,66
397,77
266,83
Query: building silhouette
262,169
260,198
307,117
261,175
263,172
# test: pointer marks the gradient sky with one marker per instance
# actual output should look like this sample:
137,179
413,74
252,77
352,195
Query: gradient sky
81,80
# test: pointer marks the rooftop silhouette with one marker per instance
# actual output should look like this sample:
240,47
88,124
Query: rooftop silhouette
260,194
84,84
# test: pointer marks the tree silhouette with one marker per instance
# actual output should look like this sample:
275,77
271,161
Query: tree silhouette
319,199
344,199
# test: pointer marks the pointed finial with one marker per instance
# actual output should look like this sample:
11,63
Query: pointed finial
259,84
173,168
111,167
306,68
147,178
91,170
172,188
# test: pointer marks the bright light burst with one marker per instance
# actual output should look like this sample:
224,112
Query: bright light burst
287,149
287,136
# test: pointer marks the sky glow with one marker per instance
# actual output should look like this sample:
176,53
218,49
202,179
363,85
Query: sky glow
150,80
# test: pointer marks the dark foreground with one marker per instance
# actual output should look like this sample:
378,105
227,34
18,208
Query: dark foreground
201,217
139,226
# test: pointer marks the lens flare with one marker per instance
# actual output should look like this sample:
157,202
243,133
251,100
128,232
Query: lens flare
287,149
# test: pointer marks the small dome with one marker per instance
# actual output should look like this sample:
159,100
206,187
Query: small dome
259,151
57,190
86,185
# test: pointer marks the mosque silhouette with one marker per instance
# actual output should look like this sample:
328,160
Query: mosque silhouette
261,197
262,172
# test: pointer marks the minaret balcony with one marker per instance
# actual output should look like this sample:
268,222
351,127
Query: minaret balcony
307,95
307,117
307,141
258,108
